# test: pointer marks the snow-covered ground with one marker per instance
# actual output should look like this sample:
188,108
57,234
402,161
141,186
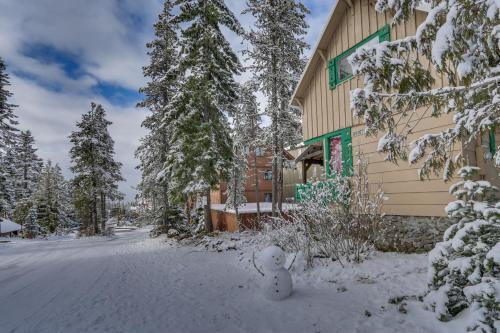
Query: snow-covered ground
131,283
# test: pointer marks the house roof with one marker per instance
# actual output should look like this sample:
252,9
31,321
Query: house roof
320,50
7,226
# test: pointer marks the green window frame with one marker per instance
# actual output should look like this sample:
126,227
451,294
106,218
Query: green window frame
493,144
384,34
346,140
345,135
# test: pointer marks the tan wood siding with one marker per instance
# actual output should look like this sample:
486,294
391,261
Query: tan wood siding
329,110
326,110
406,193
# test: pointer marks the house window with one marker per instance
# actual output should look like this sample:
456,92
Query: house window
268,175
268,197
259,152
339,68
493,144
335,155
338,152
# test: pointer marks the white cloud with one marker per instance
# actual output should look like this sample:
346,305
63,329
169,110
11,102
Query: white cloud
51,116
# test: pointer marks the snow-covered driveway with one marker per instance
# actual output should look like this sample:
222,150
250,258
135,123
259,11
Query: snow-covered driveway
131,283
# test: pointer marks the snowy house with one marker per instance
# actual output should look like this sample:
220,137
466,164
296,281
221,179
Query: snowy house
331,131
8,228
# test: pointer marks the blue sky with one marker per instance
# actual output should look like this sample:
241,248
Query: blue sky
63,54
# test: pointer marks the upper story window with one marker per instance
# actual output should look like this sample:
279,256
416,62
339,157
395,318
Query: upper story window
493,143
268,175
339,68
259,151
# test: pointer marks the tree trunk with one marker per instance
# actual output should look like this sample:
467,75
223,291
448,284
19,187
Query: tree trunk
235,199
187,209
103,213
94,215
257,192
274,143
208,214
279,183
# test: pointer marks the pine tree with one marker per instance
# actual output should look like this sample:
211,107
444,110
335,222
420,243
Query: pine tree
460,40
29,166
92,155
47,199
8,120
277,47
8,137
157,144
208,94
465,267
31,227
246,139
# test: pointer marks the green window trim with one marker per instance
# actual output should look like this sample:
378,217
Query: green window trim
493,144
347,162
384,34
345,135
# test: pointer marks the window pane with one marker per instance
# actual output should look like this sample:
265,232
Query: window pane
343,65
371,42
344,68
336,155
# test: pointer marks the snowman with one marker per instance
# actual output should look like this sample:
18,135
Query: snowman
278,285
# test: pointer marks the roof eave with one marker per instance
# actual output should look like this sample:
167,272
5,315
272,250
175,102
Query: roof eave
423,7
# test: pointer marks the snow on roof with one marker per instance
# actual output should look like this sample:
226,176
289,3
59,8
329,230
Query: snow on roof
249,208
8,226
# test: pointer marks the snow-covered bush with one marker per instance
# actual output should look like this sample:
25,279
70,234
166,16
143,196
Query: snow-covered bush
338,218
464,274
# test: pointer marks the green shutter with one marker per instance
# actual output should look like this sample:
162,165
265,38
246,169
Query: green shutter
347,152
332,82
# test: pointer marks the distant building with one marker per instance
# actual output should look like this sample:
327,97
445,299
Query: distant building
9,228
265,178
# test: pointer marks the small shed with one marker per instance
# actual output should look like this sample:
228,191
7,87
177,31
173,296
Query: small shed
9,228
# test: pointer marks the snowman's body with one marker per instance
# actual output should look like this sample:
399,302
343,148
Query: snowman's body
278,283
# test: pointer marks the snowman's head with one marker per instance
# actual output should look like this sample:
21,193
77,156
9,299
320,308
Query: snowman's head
273,258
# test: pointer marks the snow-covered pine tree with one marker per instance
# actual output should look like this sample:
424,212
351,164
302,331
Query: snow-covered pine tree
82,191
8,137
276,54
92,156
251,121
9,175
162,72
465,267
8,120
242,132
47,196
206,97
29,166
31,227
460,40
109,168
